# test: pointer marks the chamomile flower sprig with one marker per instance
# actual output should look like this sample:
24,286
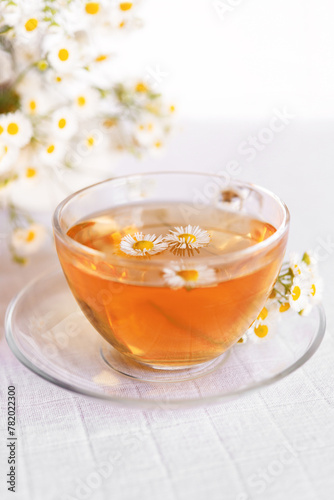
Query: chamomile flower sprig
297,289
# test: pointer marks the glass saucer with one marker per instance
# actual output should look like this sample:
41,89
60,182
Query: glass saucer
49,334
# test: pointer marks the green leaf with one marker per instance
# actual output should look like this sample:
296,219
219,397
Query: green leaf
19,260
307,259
4,29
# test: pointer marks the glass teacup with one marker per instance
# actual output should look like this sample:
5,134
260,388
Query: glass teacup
171,268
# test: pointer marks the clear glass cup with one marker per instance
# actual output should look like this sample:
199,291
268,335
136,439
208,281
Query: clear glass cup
127,299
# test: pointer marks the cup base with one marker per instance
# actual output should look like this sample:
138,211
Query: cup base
145,373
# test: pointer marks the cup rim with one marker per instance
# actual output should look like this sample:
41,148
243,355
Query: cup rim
215,259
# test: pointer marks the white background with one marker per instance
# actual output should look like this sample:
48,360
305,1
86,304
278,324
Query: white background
239,61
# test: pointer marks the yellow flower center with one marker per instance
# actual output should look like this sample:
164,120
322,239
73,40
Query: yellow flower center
62,123
188,274
158,144
32,105
121,25
1,130
143,245
42,65
313,290
92,8
58,79
50,149
125,6
109,123
12,129
30,172
189,238
141,87
263,314
63,54
31,25
284,307
261,331
90,141
172,108
100,58
81,101
296,292
30,236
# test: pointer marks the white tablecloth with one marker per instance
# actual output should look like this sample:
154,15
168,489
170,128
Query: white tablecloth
277,444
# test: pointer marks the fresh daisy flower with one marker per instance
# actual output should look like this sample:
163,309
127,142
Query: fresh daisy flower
189,237
299,297
26,241
179,275
64,123
15,129
142,244
63,56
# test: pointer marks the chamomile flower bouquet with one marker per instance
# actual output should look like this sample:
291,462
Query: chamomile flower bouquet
64,114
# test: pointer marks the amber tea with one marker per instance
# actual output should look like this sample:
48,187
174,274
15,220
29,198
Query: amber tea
170,288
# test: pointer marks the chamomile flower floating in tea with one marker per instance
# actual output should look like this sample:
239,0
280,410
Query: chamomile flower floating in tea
140,244
187,238
179,275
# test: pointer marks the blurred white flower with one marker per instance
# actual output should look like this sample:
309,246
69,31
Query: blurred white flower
86,101
15,129
64,124
63,55
28,26
52,152
27,240
148,131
